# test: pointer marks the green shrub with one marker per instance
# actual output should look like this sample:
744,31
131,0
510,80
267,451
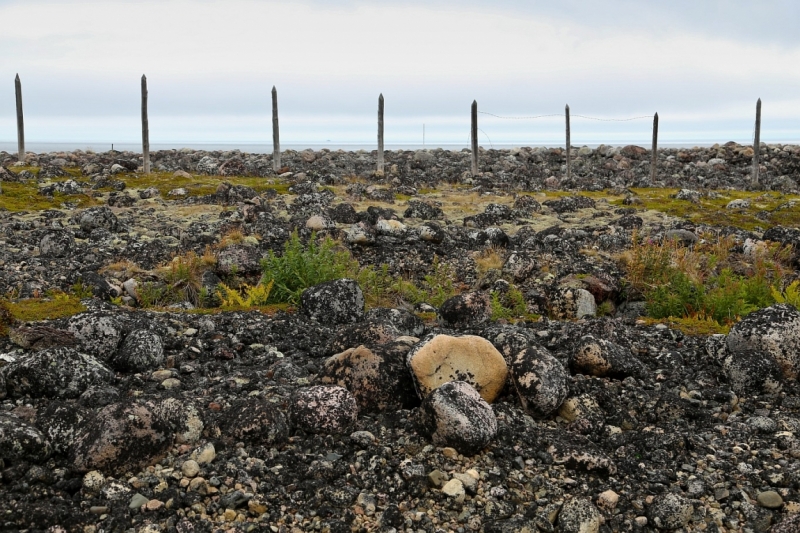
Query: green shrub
790,295
301,267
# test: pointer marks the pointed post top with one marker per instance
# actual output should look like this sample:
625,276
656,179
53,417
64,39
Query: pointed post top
474,102
17,78
566,107
144,77
274,89
380,96
656,115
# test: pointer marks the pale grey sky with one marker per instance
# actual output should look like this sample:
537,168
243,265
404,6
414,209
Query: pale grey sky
211,64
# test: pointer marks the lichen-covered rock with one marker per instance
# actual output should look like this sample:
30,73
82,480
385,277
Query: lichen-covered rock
432,232
381,325
183,417
254,420
670,511
96,217
576,452
752,371
438,359
789,524
98,332
60,372
377,376
141,350
520,264
775,330
455,415
361,233
334,302
239,259
579,515
61,422
56,244
569,302
122,437
20,441
540,380
466,310
423,210
323,409
602,358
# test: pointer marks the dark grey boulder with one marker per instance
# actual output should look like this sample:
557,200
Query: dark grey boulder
20,441
432,232
99,396
423,210
602,358
239,259
376,376
455,415
541,381
752,371
60,372
123,437
99,285
99,333
670,511
141,350
466,310
254,420
326,409
333,303
61,422
579,515
56,244
96,217
775,330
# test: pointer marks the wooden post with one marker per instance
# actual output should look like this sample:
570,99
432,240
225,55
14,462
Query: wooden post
145,129
474,137
757,142
20,124
380,134
276,137
569,163
654,155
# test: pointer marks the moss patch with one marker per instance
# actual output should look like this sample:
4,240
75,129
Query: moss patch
25,197
199,185
35,309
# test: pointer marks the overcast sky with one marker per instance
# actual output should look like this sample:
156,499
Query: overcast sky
211,65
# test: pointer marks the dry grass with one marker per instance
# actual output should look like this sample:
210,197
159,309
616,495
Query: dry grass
489,259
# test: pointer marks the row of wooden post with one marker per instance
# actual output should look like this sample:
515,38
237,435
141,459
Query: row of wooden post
276,145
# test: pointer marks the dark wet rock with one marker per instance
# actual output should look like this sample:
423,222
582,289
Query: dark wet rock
20,441
96,217
343,213
774,330
323,409
334,302
455,415
141,350
467,309
540,380
255,420
670,511
599,357
376,376
122,437
54,373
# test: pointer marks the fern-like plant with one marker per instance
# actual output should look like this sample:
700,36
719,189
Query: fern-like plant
249,296
790,295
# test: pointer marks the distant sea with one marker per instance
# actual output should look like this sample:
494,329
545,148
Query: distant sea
261,148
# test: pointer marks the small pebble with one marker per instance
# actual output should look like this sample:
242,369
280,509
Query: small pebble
769,499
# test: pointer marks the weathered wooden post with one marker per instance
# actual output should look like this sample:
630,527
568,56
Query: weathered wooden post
380,134
569,163
474,137
20,124
757,142
276,137
654,155
145,129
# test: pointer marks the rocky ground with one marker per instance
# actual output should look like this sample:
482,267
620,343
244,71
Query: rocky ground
335,416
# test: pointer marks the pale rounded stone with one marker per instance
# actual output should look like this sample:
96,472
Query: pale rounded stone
455,489
93,481
769,499
470,358
204,454
190,468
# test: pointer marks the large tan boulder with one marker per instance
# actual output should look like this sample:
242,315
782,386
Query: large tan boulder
439,359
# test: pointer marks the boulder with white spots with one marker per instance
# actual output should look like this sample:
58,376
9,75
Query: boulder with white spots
141,350
455,415
99,333
670,511
54,373
602,358
775,330
579,515
254,420
541,381
323,409
20,441
334,303
466,310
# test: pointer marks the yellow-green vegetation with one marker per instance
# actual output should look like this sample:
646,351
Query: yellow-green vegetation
199,185
511,305
790,295
711,209
55,305
25,197
246,297
705,284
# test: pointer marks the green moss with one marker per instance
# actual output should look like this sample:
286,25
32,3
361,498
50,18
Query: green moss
199,185
25,197
34,309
